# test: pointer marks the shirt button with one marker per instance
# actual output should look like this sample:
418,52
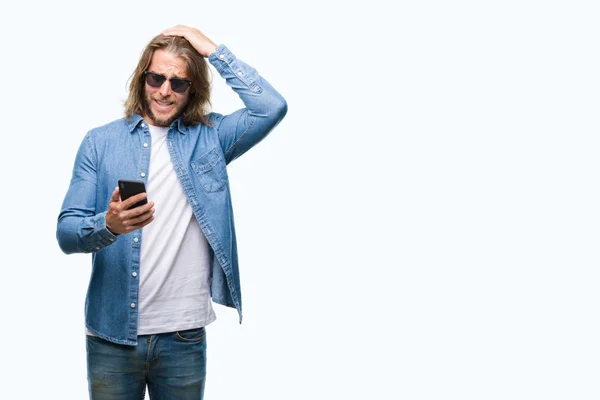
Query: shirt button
143,174
136,239
240,73
111,239
97,248
134,274
132,305
145,144
143,125
221,56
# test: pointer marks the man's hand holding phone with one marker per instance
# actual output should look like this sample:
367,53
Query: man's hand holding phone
121,219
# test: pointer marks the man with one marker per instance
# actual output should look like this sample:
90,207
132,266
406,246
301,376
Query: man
149,296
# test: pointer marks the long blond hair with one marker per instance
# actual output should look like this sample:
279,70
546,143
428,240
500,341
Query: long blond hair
195,112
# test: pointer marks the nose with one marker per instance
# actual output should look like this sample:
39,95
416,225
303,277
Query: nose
165,88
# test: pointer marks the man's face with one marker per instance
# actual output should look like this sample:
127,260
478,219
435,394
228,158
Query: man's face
163,105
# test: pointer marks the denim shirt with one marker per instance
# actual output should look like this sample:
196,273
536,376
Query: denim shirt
199,153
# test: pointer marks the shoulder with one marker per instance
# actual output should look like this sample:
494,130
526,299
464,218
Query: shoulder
215,119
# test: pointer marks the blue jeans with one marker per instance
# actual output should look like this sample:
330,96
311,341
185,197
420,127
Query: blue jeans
172,365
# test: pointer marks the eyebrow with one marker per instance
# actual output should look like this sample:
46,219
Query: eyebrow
173,77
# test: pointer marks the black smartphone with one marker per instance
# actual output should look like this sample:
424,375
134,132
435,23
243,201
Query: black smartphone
131,188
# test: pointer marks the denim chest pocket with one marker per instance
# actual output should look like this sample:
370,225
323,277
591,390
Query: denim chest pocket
209,168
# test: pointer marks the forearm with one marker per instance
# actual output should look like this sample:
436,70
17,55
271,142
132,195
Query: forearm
264,106
76,234
259,97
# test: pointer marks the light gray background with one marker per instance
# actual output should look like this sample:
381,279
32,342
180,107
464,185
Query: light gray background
422,225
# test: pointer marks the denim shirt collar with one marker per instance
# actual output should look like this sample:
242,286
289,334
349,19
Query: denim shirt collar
136,119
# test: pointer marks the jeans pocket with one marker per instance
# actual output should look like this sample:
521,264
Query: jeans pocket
191,335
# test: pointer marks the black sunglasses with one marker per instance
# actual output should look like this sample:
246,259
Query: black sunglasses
178,85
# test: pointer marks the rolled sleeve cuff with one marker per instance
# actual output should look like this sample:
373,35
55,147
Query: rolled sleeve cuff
221,54
104,237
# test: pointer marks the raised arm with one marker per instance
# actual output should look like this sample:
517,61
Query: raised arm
264,106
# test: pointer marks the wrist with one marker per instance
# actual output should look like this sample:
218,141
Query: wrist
108,228
211,50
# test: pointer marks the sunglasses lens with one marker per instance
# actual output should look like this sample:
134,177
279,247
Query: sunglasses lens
154,80
179,85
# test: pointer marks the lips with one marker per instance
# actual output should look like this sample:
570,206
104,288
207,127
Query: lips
164,105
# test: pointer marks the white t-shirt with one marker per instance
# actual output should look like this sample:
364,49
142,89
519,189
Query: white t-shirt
175,256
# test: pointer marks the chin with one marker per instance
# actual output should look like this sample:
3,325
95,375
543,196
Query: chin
160,118
164,122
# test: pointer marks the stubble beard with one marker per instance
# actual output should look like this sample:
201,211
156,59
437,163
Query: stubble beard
162,122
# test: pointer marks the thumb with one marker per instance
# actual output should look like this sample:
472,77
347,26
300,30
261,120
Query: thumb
116,195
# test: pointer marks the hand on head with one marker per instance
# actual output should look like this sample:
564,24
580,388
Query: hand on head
197,39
